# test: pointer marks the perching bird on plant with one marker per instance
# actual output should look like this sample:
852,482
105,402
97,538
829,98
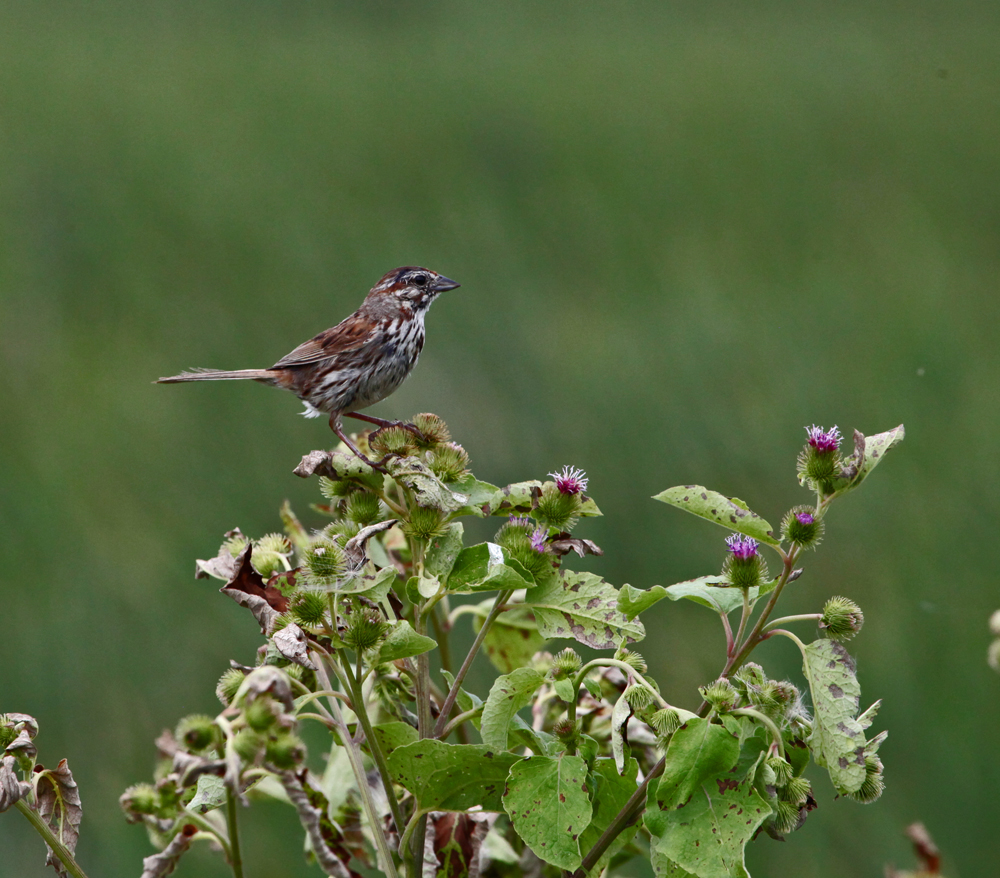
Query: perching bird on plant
358,362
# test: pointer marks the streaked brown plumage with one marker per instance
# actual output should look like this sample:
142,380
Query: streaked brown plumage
358,362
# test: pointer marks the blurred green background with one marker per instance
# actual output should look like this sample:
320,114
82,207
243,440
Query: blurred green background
684,231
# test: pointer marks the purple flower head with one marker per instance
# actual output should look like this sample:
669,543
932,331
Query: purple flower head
519,521
743,548
571,480
538,539
824,441
805,518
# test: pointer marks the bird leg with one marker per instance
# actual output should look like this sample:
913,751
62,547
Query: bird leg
382,423
337,428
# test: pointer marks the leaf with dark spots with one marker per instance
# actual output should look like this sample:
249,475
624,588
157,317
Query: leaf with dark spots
285,581
731,513
247,588
57,800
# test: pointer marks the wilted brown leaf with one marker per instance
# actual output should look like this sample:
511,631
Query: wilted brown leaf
324,836
248,589
11,788
223,565
291,642
162,864
356,546
564,544
58,803
452,843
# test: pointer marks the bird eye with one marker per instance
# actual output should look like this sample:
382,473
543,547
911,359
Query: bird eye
420,280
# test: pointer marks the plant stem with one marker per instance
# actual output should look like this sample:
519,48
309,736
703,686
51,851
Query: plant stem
765,721
449,701
45,831
458,720
784,620
361,713
357,766
743,622
208,829
235,857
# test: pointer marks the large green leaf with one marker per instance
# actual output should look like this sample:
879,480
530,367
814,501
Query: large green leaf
704,809
478,494
512,640
838,739
582,606
731,513
443,550
705,590
452,777
484,567
404,642
609,793
508,695
868,454
546,798
395,734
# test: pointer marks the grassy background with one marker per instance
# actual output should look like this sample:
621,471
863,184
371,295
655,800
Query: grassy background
684,231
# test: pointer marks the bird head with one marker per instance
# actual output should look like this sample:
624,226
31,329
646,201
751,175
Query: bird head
413,285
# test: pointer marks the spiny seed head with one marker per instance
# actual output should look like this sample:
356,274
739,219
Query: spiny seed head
324,561
566,663
392,440
744,566
797,790
632,659
802,528
424,524
235,544
285,751
267,563
786,817
638,697
261,713
819,461
334,489
873,785
249,745
341,531
570,481
308,608
665,721
449,462
842,618
539,539
141,798
197,732
7,733
721,695
435,430
565,730
516,527
228,683
366,629
362,508
783,772
750,674
277,543
557,508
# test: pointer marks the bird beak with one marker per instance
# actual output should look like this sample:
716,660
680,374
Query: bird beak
443,283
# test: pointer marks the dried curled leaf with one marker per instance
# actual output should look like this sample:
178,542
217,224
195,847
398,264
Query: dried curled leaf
248,589
356,548
162,864
291,642
57,799
324,837
12,789
453,842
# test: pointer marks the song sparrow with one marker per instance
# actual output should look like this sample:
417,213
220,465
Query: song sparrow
358,362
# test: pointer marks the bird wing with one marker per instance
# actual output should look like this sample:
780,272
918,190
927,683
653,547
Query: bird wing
349,335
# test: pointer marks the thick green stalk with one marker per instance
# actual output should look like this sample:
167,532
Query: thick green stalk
45,831
235,857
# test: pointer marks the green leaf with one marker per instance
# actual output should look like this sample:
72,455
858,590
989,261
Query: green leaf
518,497
565,690
479,495
508,695
620,714
452,777
371,583
443,550
704,809
393,735
211,794
546,798
403,642
731,513
427,488
512,640
609,793
868,454
584,607
483,567
838,739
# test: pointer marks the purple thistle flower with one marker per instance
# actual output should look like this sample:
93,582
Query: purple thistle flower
743,548
805,518
824,441
571,480
519,521
538,539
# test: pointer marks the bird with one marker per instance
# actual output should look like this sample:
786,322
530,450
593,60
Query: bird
358,362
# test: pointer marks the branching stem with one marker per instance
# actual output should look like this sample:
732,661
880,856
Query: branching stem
45,831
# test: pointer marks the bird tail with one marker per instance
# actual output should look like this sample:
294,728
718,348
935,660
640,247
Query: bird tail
216,375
